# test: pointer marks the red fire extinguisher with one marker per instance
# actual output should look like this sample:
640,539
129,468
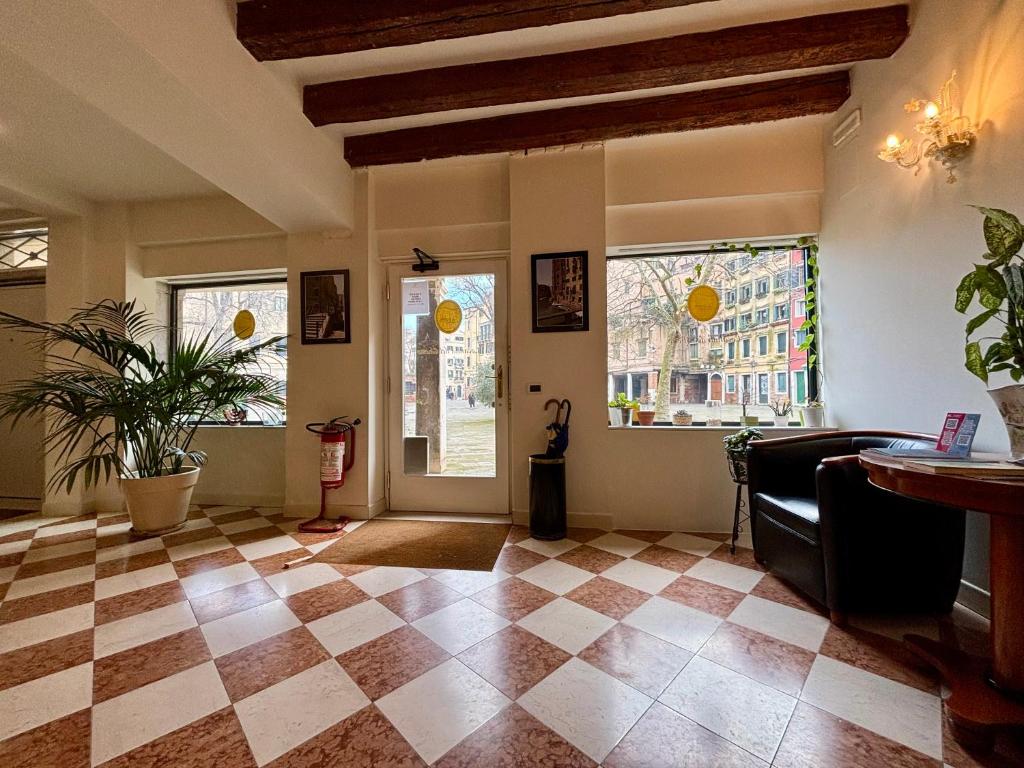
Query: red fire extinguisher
337,455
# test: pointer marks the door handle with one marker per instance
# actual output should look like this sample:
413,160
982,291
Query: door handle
499,381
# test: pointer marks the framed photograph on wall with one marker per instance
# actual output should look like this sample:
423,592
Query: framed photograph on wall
559,283
325,307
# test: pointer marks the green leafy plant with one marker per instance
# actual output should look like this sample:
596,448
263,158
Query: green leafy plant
737,443
998,286
112,404
621,401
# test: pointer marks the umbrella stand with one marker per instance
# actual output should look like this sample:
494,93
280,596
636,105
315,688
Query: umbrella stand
548,518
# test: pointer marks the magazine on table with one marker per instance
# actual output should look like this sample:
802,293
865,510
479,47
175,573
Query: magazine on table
955,440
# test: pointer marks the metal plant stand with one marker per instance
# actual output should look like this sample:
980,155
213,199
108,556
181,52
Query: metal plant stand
738,470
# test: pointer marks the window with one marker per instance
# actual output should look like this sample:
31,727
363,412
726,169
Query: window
24,249
733,344
199,309
799,308
781,380
799,336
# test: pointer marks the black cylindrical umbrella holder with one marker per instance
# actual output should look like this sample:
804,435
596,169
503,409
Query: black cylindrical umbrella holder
547,497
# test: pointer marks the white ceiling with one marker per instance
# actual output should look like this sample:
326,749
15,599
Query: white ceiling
615,30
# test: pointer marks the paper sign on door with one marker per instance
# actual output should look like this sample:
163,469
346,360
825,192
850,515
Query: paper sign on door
415,297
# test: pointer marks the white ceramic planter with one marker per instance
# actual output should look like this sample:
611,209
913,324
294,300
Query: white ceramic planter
159,505
781,421
812,417
615,417
1010,402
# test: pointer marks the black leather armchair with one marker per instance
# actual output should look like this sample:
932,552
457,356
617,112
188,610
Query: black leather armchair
819,524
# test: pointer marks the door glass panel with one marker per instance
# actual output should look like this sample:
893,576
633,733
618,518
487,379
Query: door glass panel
448,379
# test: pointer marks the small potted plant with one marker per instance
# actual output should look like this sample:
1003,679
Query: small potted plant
813,414
736,446
782,410
646,414
747,421
235,416
620,410
682,418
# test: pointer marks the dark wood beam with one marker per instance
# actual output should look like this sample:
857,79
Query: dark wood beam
286,29
813,41
714,108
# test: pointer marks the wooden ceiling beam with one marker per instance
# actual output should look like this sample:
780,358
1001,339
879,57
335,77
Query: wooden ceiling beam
286,29
813,41
696,110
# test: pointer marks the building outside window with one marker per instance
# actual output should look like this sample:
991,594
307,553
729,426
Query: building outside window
761,316
730,383
199,309
730,350
746,292
780,343
781,312
781,382
762,345
763,284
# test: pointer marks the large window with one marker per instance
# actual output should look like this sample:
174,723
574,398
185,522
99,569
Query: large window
761,361
212,307
24,249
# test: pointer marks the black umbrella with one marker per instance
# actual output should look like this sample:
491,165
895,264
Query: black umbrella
558,430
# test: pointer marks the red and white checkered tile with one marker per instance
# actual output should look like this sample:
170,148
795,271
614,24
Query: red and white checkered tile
629,648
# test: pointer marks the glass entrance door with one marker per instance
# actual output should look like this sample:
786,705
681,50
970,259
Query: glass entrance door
447,404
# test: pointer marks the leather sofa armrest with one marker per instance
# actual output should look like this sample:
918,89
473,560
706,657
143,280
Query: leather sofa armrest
786,467
841,484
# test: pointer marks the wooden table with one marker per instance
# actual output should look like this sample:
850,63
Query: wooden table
987,694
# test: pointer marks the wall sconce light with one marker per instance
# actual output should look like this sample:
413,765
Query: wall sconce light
948,134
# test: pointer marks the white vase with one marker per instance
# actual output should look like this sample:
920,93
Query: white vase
159,505
812,417
781,421
1010,402
614,417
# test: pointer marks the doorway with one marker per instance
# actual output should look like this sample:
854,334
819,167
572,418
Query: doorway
447,388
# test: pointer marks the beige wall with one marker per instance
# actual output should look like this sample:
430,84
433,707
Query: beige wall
894,245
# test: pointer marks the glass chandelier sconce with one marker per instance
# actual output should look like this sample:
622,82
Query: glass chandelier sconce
948,134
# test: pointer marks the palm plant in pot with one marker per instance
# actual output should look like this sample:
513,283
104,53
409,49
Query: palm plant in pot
114,408
998,286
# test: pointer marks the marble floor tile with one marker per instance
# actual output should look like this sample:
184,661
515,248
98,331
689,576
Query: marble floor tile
268,547
815,738
45,602
881,655
48,531
781,622
130,563
383,579
225,602
725,574
39,701
48,553
514,660
608,597
685,542
514,738
513,598
773,588
666,738
568,625
678,624
139,601
351,627
45,658
743,711
240,526
773,662
36,568
896,711
703,595
51,581
590,558
128,550
469,582
46,626
617,544
392,660
514,560
214,581
213,561
204,546
587,707
267,662
135,580
556,576
460,625
146,663
643,576
63,742
312,604
548,548
439,709
666,557
117,636
636,658
301,578
419,599
249,626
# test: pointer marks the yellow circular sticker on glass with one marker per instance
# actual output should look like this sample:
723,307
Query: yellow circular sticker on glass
703,303
244,324
448,316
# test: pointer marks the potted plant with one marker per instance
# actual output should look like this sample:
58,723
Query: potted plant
998,286
682,418
813,414
745,420
646,413
782,410
620,410
736,446
114,407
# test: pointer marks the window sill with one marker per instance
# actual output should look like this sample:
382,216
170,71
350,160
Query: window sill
723,428
242,426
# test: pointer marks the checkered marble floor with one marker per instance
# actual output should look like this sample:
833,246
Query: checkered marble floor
624,649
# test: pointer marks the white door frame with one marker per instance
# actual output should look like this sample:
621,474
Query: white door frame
434,493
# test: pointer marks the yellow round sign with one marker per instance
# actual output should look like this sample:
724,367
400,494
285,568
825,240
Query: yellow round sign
244,324
703,303
448,316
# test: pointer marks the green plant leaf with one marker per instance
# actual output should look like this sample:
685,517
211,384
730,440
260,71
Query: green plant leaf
979,320
1003,243
973,361
965,291
1013,276
1007,221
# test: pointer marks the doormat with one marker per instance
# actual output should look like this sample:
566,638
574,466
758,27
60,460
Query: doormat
420,544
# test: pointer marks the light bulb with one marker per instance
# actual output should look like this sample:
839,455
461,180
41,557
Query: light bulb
892,141
931,110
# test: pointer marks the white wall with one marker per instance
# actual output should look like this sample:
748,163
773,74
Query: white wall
894,245
246,466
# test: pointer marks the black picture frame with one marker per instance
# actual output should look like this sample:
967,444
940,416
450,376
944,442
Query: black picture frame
321,320
564,308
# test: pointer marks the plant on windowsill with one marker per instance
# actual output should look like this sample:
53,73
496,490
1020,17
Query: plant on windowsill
745,420
782,409
113,406
646,413
620,410
998,286
812,414
736,447
682,418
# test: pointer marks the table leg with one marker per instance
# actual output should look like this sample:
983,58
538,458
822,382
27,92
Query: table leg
1006,548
